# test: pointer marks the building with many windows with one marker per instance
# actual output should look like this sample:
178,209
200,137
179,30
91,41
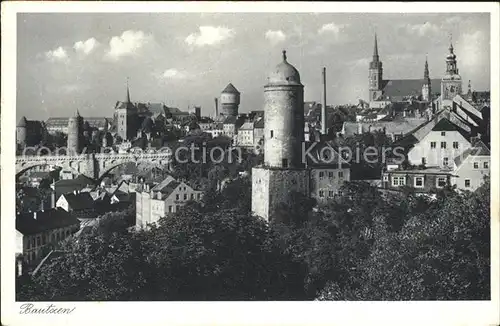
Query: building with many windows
154,201
35,231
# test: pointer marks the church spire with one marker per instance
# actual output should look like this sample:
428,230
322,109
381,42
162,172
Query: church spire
128,94
426,70
375,50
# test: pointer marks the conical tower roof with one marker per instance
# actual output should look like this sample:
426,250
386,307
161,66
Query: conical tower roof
22,122
230,89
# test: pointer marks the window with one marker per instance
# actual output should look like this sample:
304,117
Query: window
398,181
476,165
433,144
38,241
341,174
192,196
199,196
443,144
455,144
284,162
445,161
185,196
272,134
440,182
321,174
443,133
170,209
330,194
419,182
423,161
176,208
467,183
486,165
330,175
321,193
177,197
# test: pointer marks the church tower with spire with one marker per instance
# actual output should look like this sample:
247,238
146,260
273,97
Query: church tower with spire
451,84
125,117
426,87
375,74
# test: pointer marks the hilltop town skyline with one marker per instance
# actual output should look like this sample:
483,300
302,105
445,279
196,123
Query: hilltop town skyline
178,58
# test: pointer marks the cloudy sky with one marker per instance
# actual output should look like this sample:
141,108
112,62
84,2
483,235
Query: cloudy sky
81,61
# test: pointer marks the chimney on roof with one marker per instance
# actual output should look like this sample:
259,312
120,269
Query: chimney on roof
323,109
216,107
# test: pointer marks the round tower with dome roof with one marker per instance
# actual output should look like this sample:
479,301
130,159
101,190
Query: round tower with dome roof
283,173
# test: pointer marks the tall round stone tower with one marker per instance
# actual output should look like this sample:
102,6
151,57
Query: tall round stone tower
283,117
21,132
283,173
75,132
229,101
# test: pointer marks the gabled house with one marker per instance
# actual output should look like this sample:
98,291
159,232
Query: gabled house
472,166
156,201
80,205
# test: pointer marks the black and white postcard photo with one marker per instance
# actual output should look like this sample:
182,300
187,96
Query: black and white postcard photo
228,163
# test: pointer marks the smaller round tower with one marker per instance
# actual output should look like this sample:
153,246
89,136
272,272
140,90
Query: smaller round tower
21,131
75,134
229,101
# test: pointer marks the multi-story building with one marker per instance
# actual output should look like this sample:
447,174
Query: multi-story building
156,201
471,167
36,230
421,180
60,124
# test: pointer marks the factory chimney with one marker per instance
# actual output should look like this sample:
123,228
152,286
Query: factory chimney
323,108
216,107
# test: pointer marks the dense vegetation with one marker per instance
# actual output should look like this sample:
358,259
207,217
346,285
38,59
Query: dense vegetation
364,246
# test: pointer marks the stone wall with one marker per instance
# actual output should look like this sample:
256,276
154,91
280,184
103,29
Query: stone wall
274,186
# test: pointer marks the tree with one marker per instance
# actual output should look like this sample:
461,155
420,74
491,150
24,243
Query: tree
440,254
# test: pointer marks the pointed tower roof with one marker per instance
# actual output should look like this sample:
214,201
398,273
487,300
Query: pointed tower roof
22,122
230,89
375,48
426,71
127,100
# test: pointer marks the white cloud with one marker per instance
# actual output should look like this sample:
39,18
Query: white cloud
469,49
425,29
209,35
85,47
275,37
173,73
58,54
332,28
129,43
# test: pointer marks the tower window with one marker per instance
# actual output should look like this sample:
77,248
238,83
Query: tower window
321,193
272,133
443,144
433,144
284,162
455,144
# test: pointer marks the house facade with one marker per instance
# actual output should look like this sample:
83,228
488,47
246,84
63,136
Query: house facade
35,231
156,201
